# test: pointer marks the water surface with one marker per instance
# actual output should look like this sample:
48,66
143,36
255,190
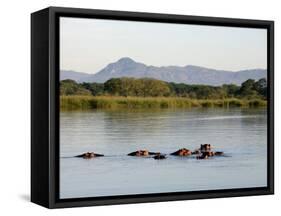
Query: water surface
240,133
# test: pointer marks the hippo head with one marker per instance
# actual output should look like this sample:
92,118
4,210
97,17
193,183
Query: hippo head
89,155
144,153
205,147
184,152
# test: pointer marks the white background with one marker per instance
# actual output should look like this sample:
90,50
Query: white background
15,106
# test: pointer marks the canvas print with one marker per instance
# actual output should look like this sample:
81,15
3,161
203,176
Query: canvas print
149,107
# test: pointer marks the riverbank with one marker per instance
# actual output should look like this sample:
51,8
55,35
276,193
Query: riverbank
115,102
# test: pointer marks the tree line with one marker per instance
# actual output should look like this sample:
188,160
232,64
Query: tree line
147,87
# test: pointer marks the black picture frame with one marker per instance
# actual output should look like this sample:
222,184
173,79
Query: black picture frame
45,106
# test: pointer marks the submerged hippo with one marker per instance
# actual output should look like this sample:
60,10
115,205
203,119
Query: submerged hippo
205,147
89,155
140,153
197,151
159,156
207,154
182,152
203,155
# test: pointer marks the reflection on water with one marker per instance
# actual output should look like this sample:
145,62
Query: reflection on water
240,133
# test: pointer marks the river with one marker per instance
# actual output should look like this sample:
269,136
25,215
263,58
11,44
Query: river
240,133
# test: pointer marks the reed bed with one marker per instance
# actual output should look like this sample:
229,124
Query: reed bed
114,102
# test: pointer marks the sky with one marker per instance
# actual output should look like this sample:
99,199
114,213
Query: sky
89,45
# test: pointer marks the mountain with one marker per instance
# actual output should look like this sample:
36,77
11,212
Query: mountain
126,67
77,76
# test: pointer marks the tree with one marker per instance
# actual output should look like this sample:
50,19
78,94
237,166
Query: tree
261,87
231,90
113,86
95,88
70,87
148,87
143,87
247,88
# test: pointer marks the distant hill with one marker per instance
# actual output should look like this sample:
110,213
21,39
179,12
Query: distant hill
126,67
77,76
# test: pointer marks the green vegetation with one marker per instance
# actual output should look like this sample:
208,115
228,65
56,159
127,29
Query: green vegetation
143,87
77,102
70,87
150,93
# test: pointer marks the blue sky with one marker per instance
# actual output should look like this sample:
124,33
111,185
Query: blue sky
88,45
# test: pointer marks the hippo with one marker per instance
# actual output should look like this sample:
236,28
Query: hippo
212,153
205,147
204,155
207,154
140,153
182,152
89,155
218,153
159,156
197,151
